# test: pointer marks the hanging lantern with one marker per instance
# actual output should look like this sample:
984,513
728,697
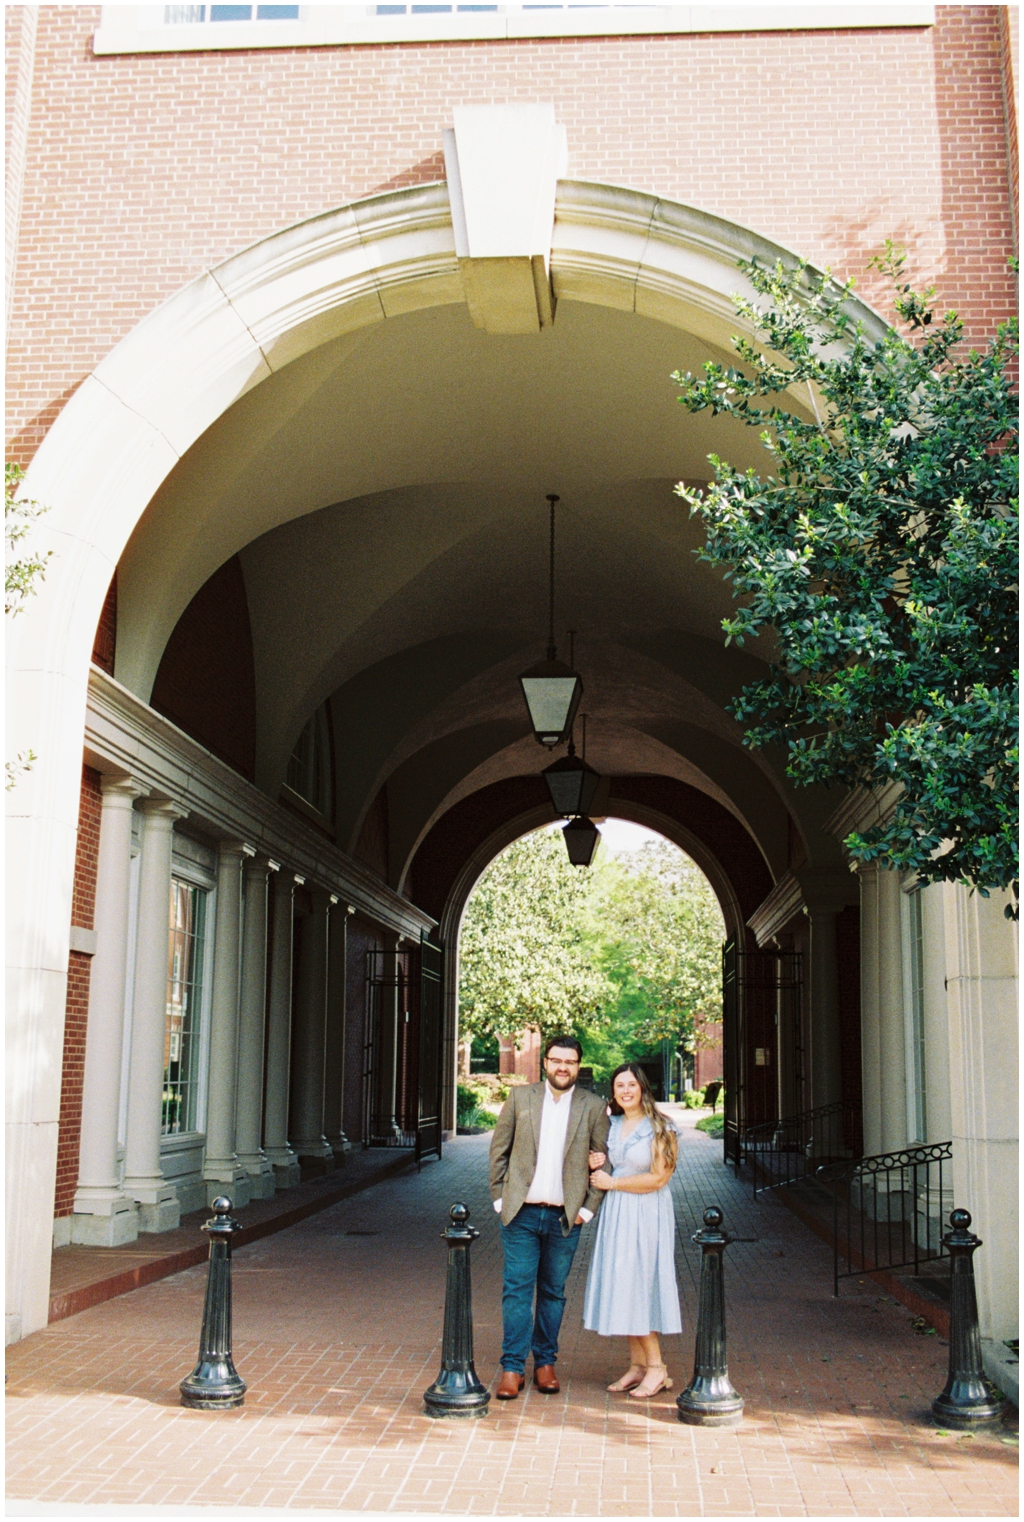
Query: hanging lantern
552,689
571,782
572,785
581,837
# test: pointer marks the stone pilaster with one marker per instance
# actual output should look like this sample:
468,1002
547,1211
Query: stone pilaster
222,1171
144,1182
981,984
337,1016
251,1031
306,1111
279,1033
104,1215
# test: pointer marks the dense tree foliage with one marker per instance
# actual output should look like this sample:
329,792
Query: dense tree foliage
623,955
525,956
660,931
882,552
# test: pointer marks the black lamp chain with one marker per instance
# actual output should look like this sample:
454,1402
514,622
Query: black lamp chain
551,584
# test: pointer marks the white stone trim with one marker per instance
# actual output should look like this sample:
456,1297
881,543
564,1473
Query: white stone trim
83,941
139,29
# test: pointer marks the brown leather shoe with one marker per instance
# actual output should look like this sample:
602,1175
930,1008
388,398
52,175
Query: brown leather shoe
545,1380
510,1384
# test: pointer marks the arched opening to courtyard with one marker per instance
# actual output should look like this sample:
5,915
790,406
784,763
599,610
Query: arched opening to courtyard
625,954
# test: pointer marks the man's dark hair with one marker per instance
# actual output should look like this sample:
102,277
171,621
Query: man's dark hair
564,1041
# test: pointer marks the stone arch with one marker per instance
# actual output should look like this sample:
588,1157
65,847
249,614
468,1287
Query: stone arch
134,418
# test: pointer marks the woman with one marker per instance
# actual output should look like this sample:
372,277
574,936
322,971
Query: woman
631,1287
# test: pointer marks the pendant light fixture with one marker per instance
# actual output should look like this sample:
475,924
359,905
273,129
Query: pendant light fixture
552,689
571,782
581,837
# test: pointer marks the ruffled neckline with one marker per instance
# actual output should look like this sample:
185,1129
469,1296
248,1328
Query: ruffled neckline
643,1129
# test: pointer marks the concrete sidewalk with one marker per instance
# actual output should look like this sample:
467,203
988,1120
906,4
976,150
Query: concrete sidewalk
337,1331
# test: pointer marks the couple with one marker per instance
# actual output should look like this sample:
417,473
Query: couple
549,1154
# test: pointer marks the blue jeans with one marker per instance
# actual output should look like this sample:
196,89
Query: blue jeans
537,1257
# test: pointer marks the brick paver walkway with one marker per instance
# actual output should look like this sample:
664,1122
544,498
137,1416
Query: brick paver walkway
337,1331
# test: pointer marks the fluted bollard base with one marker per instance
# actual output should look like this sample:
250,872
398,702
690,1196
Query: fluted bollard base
968,1405
456,1394
457,1391
968,1401
214,1384
709,1400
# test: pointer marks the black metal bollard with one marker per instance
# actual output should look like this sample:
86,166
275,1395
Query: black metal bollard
213,1384
457,1391
709,1400
968,1399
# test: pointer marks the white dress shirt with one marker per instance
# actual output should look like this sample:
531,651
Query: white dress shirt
546,1187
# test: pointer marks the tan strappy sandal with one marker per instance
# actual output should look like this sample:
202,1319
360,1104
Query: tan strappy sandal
664,1383
627,1382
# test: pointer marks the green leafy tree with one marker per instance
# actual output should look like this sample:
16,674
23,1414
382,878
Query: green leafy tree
622,956
662,932
21,573
882,552
524,954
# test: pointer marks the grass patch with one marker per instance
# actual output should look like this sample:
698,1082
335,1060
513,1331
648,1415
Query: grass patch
711,1125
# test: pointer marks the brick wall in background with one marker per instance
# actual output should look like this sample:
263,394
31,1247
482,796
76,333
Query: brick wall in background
143,170
76,1011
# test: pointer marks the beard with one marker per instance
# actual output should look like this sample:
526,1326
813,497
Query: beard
560,1080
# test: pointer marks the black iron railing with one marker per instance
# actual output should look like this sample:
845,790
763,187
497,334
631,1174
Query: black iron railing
789,1150
888,1212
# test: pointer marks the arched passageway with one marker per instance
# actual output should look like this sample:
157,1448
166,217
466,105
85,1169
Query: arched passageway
303,502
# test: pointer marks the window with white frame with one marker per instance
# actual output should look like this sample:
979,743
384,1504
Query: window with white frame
183,1027
183,28
309,767
192,15
914,996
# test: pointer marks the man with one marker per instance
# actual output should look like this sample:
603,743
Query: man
540,1184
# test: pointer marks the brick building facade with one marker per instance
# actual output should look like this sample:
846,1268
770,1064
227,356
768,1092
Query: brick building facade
288,374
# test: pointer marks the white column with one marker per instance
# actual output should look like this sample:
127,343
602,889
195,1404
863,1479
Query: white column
936,1014
222,1170
870,1012
144,1181
825,1074
981,980
306,1114
892,1029
279,1034
104,1215
251,1031
337,1016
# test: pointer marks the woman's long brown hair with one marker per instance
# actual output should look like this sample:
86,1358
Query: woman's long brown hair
665,1140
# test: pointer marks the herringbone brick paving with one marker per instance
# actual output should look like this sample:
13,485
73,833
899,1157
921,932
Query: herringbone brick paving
338,1334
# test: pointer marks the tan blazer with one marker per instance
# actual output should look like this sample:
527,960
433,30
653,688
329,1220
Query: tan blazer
514,1150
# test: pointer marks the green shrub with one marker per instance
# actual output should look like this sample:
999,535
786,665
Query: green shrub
694,1099
712,1125
466,1104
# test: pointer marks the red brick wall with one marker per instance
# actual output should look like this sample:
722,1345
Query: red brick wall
76,1011
104,648
143,170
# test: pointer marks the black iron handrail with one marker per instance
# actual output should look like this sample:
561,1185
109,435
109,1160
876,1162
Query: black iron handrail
793,1148
888,1210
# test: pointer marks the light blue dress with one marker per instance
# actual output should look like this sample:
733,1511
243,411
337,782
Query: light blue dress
631,1287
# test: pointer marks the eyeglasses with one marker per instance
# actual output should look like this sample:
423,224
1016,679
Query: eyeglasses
563,1062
